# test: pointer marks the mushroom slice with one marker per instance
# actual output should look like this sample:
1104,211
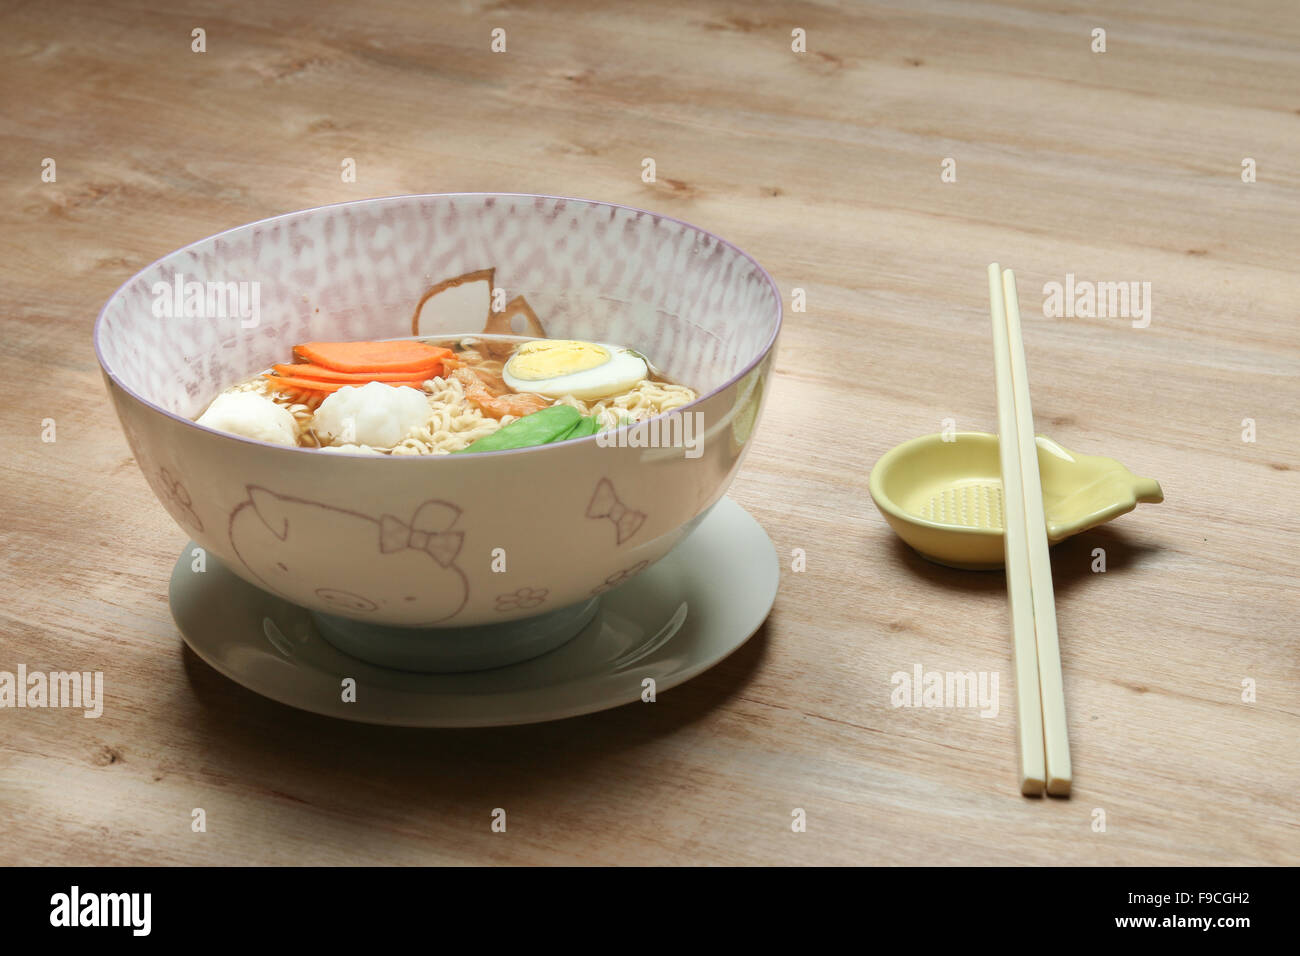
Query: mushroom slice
454,305
502,323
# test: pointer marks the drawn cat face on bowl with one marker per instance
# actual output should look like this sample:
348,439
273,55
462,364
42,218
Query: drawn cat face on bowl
363,564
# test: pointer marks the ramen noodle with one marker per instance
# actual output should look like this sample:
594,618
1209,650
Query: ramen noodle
363,398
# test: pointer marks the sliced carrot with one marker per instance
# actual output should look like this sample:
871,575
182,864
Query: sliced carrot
402,356
292,384
317,372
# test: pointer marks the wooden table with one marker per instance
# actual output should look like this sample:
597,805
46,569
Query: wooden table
827,166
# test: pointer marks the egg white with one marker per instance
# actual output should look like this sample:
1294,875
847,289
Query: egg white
620,374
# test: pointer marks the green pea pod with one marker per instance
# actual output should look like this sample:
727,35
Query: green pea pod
540,428
584,427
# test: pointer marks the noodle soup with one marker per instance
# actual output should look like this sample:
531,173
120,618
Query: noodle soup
445,395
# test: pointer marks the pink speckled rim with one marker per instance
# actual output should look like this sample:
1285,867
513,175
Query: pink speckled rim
763,353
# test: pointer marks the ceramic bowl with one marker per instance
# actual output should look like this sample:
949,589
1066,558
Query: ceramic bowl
439,541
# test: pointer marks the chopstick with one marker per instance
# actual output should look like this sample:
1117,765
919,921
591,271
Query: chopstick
1051,689
1029,715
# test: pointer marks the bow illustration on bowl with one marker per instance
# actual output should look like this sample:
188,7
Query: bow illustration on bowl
395,535
605,504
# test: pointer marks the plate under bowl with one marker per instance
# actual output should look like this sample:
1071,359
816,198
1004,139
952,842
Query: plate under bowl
666,625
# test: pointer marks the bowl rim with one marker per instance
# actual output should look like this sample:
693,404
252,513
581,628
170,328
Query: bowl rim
295,449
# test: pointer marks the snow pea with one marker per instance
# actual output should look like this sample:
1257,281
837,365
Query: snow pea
540,428
583,428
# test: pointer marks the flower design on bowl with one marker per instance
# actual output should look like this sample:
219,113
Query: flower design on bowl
521,599
618,577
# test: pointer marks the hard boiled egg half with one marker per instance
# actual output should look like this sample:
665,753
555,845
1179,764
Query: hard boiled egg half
586,370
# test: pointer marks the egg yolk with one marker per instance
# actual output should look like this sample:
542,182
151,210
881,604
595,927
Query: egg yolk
537,361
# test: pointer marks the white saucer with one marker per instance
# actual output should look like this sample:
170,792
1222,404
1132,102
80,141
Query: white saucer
670,623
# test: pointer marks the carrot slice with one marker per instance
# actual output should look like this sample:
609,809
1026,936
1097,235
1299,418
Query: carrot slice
402,356
320,373
290,383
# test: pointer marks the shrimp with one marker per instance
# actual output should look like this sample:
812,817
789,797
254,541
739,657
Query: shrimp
488,370
497,406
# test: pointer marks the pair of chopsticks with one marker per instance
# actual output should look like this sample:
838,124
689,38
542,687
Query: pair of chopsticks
1040,695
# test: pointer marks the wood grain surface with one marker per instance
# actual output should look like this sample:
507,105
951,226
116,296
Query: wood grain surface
826,166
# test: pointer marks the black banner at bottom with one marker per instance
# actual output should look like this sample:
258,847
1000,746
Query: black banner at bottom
639,906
